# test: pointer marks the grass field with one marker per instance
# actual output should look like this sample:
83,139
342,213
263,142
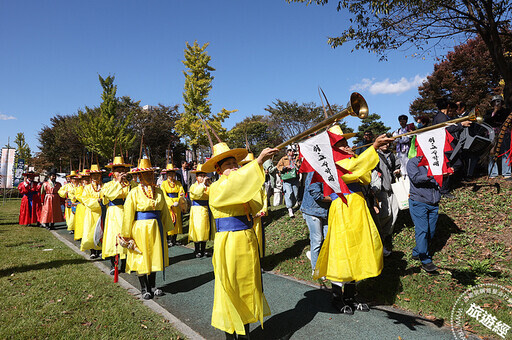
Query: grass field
49,291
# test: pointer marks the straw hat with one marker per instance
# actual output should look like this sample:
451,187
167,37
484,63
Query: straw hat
222,151
247,159
144,166
170,167
72,174
198,169
336,129
118,161
84,173
95,169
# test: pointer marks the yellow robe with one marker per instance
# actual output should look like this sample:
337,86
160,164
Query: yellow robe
79,215
146,233
176,189
352,250
114,218
258,224
91,215
201,225
238,294
67,192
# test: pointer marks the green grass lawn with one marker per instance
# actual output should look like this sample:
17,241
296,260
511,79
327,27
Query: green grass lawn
472,245
49,291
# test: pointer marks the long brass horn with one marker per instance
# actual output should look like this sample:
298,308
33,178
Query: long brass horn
356,107
473,116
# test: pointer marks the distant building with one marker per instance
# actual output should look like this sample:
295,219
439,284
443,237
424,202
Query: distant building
148,107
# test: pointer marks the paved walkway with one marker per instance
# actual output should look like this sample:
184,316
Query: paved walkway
299,311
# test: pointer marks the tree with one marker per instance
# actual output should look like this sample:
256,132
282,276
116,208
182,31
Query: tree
158,125
466,74
59,143
259,134
22,147
198,83
383,25
290,118
101,129
373,124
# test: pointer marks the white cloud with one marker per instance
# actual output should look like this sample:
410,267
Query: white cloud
388,87
6,117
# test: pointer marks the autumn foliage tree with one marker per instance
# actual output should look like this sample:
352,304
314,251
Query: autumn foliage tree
466,74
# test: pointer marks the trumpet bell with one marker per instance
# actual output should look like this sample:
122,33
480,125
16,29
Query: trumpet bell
357,106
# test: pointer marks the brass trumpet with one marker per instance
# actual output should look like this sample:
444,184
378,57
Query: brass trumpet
472,116
356,107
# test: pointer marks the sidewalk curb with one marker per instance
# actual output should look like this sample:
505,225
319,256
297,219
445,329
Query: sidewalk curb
173,320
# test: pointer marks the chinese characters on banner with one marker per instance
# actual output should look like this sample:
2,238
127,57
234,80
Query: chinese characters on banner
317,151
432,145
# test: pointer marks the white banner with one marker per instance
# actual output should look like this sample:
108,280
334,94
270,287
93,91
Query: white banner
7,168
317,151
432,144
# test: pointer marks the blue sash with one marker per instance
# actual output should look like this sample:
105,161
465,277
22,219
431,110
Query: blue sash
173,195
29,197
203,203
232,223
73,207
154,215
117,201
352,187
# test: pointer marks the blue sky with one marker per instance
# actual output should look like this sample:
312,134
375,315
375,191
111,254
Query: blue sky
52,52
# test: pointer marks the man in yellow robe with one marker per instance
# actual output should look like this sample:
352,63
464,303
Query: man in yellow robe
85,179
68,193
92,213
238,294
146,221
201,223
174,192
352,250
113,196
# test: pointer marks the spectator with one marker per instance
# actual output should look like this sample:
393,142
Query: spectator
184,176
385,204
403,143
315,208
495,119
367,139
424,197
288,166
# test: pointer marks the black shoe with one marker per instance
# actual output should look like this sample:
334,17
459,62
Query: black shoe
341,307
415,257
158,292
198,255
429,267
112,271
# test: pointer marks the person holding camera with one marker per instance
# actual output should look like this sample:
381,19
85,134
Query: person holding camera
495,119
289,166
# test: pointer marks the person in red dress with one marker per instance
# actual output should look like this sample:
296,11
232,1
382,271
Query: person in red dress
51,212
30,208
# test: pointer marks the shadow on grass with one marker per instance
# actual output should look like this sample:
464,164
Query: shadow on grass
271,261
285,324
274,214
188,284
468,277
40,266
444,230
